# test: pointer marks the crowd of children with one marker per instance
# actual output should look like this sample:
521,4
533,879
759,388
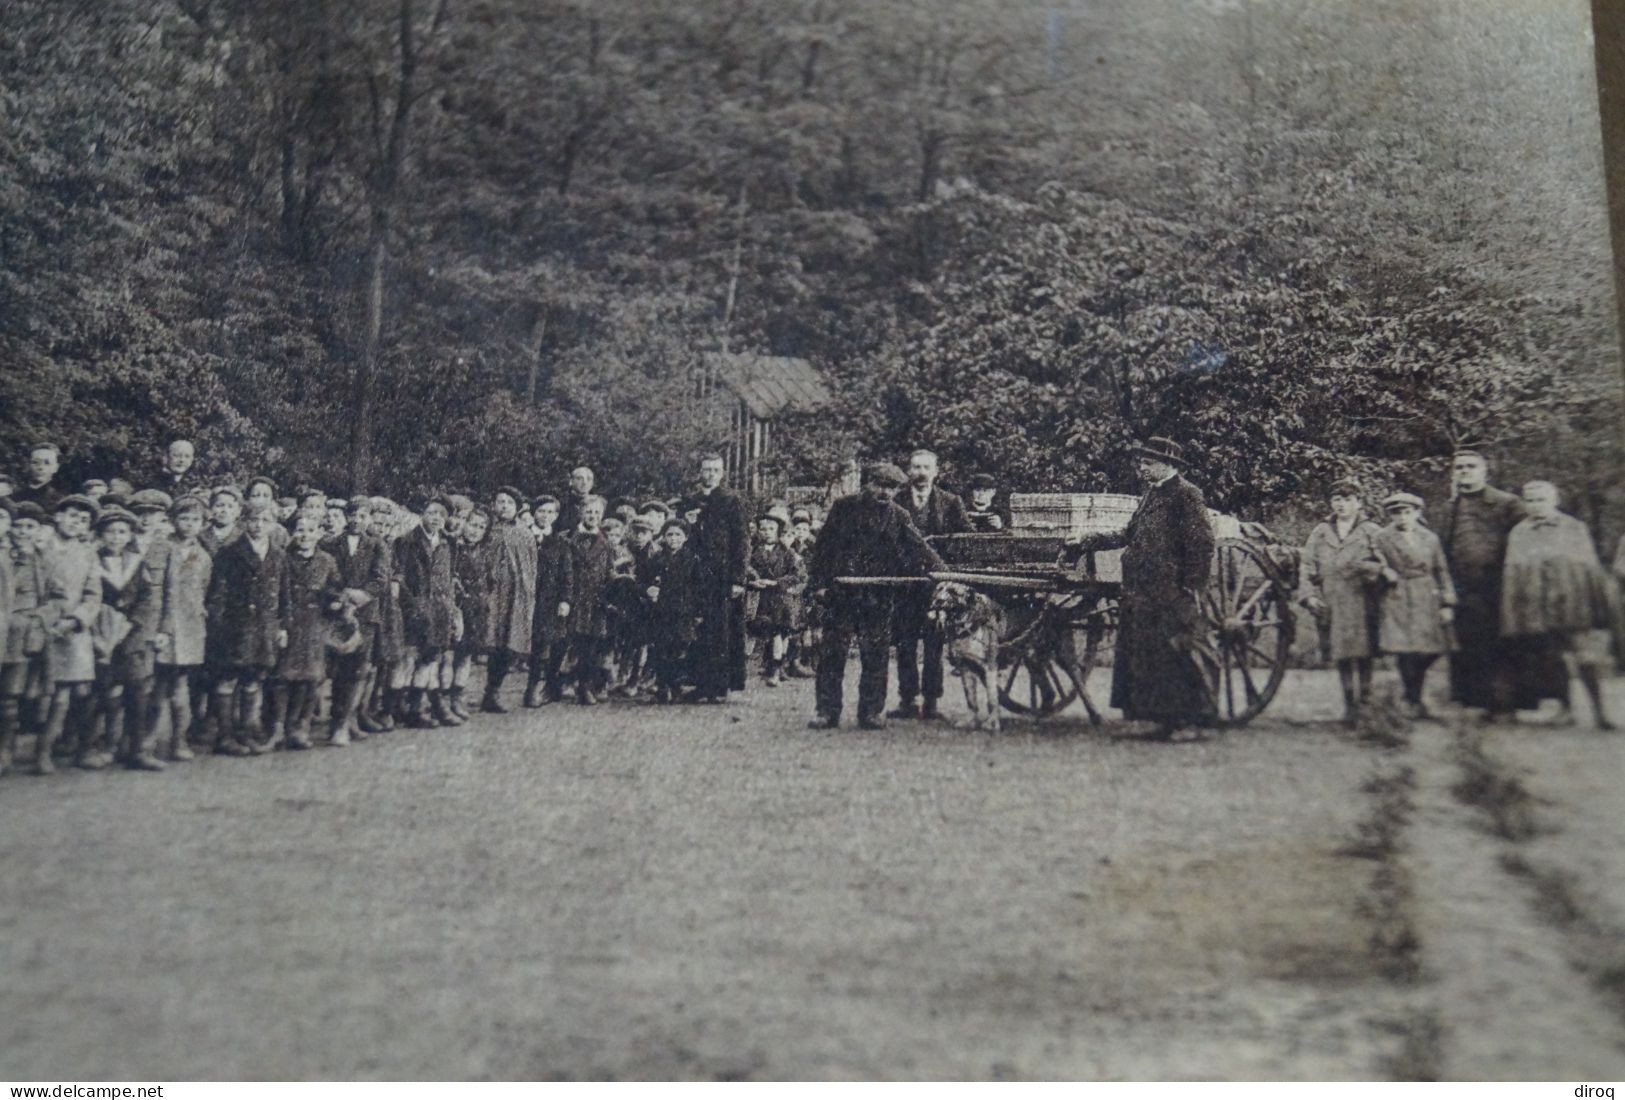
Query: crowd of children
144,625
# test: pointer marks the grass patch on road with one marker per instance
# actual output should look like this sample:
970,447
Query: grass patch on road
1506,804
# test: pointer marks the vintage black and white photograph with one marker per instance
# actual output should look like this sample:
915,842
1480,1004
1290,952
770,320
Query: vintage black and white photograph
784,540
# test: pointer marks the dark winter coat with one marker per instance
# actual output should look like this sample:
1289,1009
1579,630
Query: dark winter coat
720,542
471,568
248,603
365,569
314,585
555,584
775,602
1167,558
428,605
591,560
1474,535
673,616
864,537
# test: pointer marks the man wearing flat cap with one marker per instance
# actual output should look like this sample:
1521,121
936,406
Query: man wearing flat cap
1157,675
1482,669
865,535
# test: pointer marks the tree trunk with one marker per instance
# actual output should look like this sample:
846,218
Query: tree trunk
538,333
367,366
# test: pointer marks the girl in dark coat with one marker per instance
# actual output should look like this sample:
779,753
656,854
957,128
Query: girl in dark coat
674,610
248,606
314,590
593,559
777,576
555,597
428,611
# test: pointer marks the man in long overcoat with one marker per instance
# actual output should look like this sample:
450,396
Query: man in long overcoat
721,546
866,535
1158,674
1480,517
933,511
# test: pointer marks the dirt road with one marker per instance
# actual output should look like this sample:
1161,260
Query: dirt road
698,892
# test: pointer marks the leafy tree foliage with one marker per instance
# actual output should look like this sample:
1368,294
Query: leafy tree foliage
404,243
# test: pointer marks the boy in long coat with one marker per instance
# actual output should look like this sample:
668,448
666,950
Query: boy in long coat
181,569
363,564
865,535
428,610
555,600
73,599
513,594
1341,570
315,588
592,560
673,609
1418,601
1557,602
248,604
22,675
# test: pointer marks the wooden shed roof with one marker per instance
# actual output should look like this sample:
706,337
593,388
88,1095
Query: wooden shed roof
769,384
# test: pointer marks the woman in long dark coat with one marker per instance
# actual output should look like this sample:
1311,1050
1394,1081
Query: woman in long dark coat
428,610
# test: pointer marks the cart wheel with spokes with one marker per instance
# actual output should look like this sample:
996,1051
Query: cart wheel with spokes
1248,611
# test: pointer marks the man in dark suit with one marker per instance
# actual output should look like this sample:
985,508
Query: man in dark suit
865,535
1158,673
721,545
42,487
933,511
1483,670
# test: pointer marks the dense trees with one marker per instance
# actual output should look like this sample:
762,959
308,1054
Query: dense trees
468,241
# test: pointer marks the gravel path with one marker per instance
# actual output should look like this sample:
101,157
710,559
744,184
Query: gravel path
642,892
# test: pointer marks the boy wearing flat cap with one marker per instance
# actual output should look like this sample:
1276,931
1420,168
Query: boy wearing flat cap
73,599
182,569
1342,571
249,603
1418,600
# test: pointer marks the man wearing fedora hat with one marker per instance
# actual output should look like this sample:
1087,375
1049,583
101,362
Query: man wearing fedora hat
1157,675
